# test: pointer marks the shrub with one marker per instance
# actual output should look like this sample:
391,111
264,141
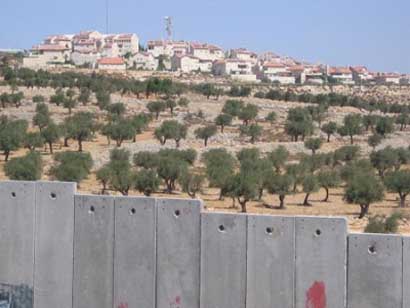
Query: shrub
25,168
71,166
383,224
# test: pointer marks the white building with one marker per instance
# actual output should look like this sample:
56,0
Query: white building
244,54
341,74
206,52
235,68
188,63
112,64
143,61
167,48
43,55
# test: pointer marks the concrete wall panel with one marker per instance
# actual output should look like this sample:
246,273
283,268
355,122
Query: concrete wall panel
178,253
223,260
17,241
54,231
270,261
135,254
320,262
375,271
93,252
406,272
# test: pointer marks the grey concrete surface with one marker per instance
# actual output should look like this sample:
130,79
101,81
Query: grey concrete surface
17,208
93,252
223,260
320,262
135,252
178,253
270,261
406,272
54,232
375,271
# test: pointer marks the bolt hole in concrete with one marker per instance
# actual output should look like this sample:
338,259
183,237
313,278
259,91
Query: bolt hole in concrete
318,232
177,213
269,230
91,210
372,250
53,196
221,228
13,194
132,211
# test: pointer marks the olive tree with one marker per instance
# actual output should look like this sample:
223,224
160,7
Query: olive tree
205,133
399,182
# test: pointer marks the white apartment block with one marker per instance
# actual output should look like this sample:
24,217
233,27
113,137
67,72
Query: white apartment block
244,54
206,51
143,61
167,48
43,55
342,74
235,68
188,63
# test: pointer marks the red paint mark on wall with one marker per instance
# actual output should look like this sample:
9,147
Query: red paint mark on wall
316,295
123,305
176,303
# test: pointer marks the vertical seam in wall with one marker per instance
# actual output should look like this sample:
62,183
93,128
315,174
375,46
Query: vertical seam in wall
246,260
156,252
73,262
34,236
402,272
347,271
113,252
294,260
200,254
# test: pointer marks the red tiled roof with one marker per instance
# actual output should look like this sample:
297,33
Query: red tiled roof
50,47
111,61
273,65
296,68
340,70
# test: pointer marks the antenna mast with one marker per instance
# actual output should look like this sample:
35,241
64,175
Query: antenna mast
106,16
168,27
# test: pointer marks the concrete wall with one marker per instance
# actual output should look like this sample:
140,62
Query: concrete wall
61,249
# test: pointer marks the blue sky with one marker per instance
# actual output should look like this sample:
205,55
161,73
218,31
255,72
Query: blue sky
375,33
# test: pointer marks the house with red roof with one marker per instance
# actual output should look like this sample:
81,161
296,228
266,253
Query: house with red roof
206,51
112,64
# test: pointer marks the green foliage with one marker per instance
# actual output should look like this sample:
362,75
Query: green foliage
146,181
205,133
313,144
352,168
398,182
385,159
38,99
279,157
281,185
80,127
298,123
220,167
103,176
26,168
84,96
374,140
223,120
120,130
363,189
33,140
352,125
171,130
145,159
271,117
383,224
103,99
384,126
328,179
12,134
156,107
248,113
239,91
233,107
42,117
310,185
369,121
51,134
116,109
171,104
183,102
191,182
121,177
209,90
403,120
329,129
254,131
347,153
71,166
